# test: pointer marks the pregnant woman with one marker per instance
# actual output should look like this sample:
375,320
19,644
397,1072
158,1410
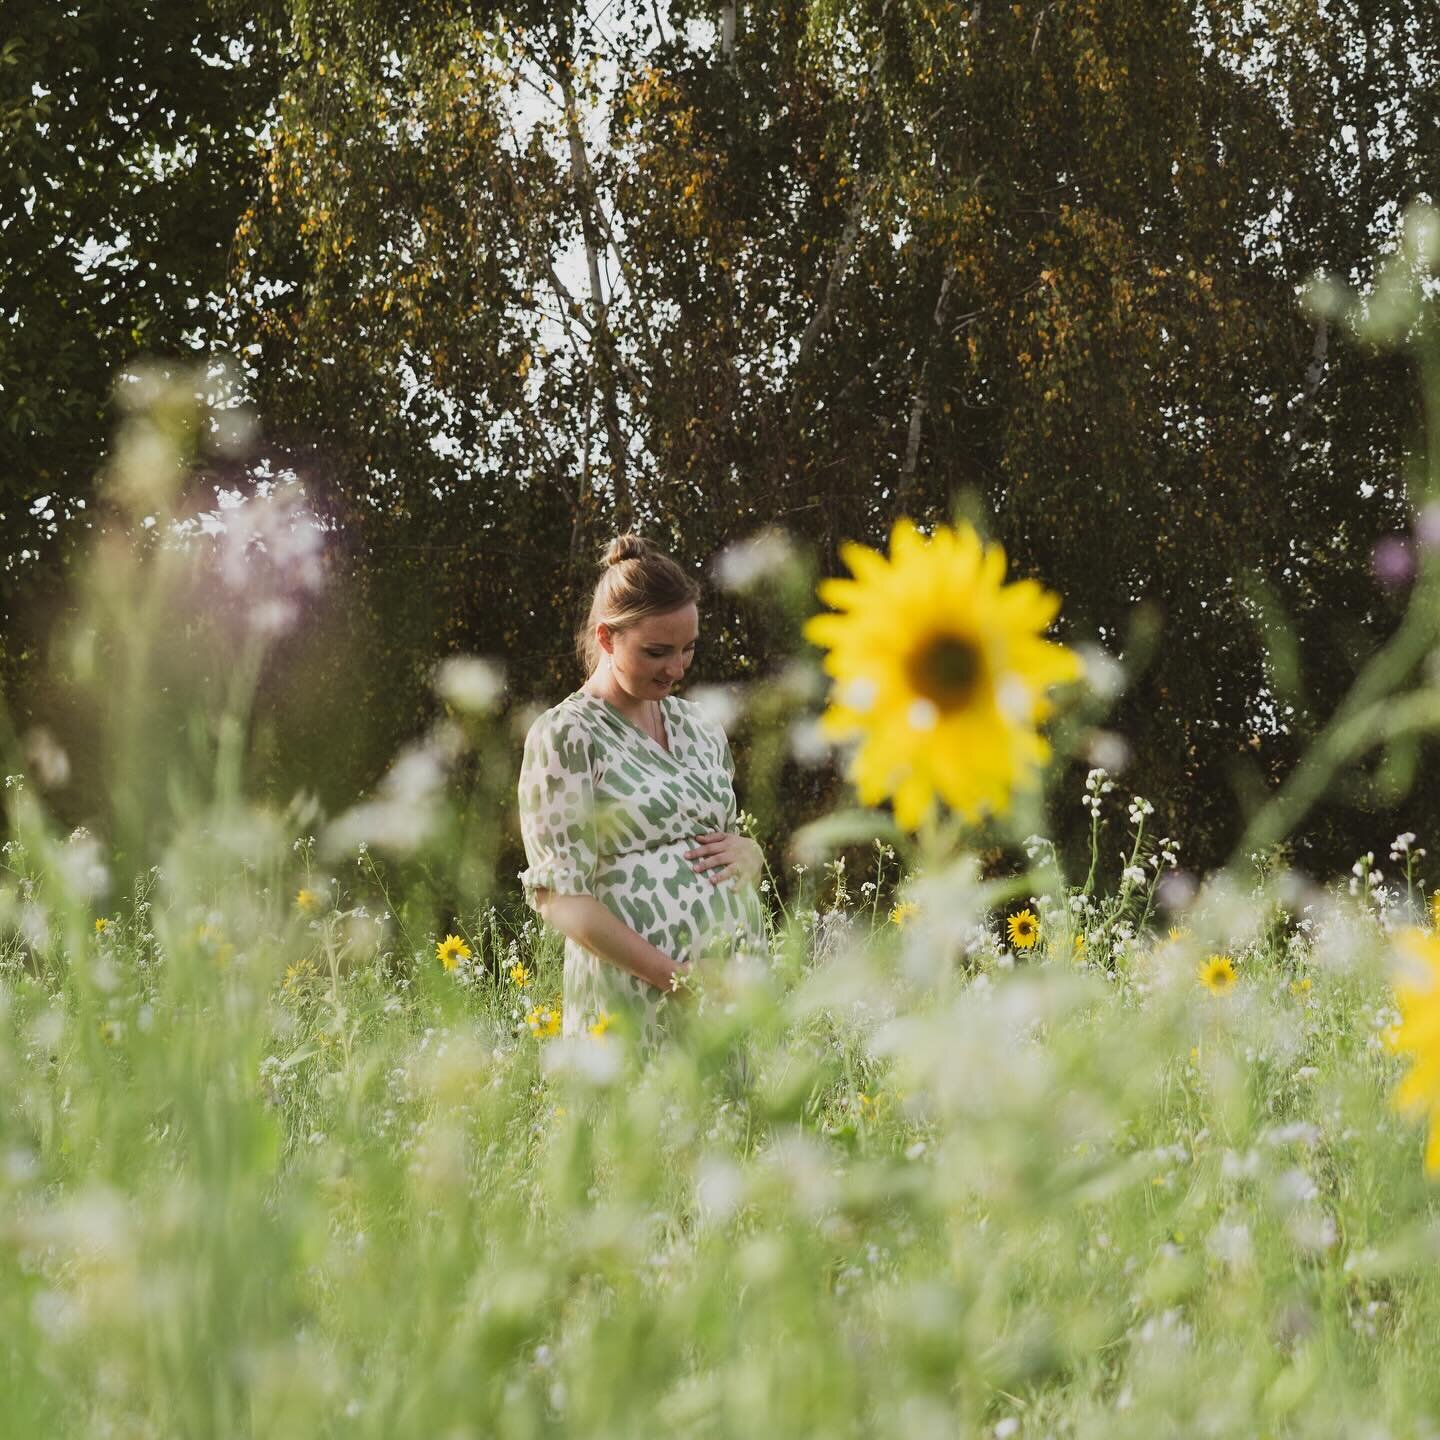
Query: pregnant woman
627,805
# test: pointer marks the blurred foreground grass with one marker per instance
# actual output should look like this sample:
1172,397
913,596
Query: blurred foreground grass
263,1177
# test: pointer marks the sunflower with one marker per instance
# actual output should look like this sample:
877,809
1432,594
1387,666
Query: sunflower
1217,974
940,670
451,951
1024,930
1417,997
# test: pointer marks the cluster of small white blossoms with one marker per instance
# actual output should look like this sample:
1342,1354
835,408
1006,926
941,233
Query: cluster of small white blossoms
1050,911
1363,872
1404,845
1140,807
276,1080
1097,783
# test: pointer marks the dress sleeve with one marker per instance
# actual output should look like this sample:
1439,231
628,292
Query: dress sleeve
728,764
557,811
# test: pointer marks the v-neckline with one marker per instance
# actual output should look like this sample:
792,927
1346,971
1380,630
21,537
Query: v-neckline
667,750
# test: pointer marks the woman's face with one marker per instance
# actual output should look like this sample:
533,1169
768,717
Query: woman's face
650,658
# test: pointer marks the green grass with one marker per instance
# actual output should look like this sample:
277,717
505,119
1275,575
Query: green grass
268,1174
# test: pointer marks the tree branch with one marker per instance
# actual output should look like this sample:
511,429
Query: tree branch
849,238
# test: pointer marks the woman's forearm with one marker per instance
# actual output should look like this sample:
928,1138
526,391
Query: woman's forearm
589,923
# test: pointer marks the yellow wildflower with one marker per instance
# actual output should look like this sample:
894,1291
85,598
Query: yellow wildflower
102,925
309,901
941,671
451,951
1435,909
296,975
1177,934
1217,974
602,1024
1024,930
544,1021
1417,997
902,913
520,975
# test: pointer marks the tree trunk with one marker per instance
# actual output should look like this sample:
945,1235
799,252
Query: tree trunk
607,367
921,402
849,238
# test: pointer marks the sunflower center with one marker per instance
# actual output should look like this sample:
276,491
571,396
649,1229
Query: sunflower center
945,671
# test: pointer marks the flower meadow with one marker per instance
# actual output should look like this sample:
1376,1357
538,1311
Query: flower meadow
291,1143
267,1172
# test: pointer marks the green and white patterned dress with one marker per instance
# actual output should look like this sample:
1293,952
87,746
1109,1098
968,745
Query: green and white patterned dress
606,811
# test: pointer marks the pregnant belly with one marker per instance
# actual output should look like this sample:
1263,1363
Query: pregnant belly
658,893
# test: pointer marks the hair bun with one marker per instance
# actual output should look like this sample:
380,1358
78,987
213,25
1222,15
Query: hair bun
627,547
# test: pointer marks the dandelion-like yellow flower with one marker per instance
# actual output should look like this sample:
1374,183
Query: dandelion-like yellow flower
1079,948
1417,997
1024,930
941,671
1177,934
1217,974
902,913
296,975
602,1023
1435,909
544,1021
451,951
519,975
309,901
101,925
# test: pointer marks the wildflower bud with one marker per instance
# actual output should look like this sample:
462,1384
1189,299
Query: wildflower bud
1176,890
1108,750
747,563
1392,561
1427,525
470,683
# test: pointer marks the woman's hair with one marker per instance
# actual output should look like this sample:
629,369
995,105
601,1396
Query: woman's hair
637,580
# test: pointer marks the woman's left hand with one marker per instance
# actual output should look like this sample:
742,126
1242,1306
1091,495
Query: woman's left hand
726,856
